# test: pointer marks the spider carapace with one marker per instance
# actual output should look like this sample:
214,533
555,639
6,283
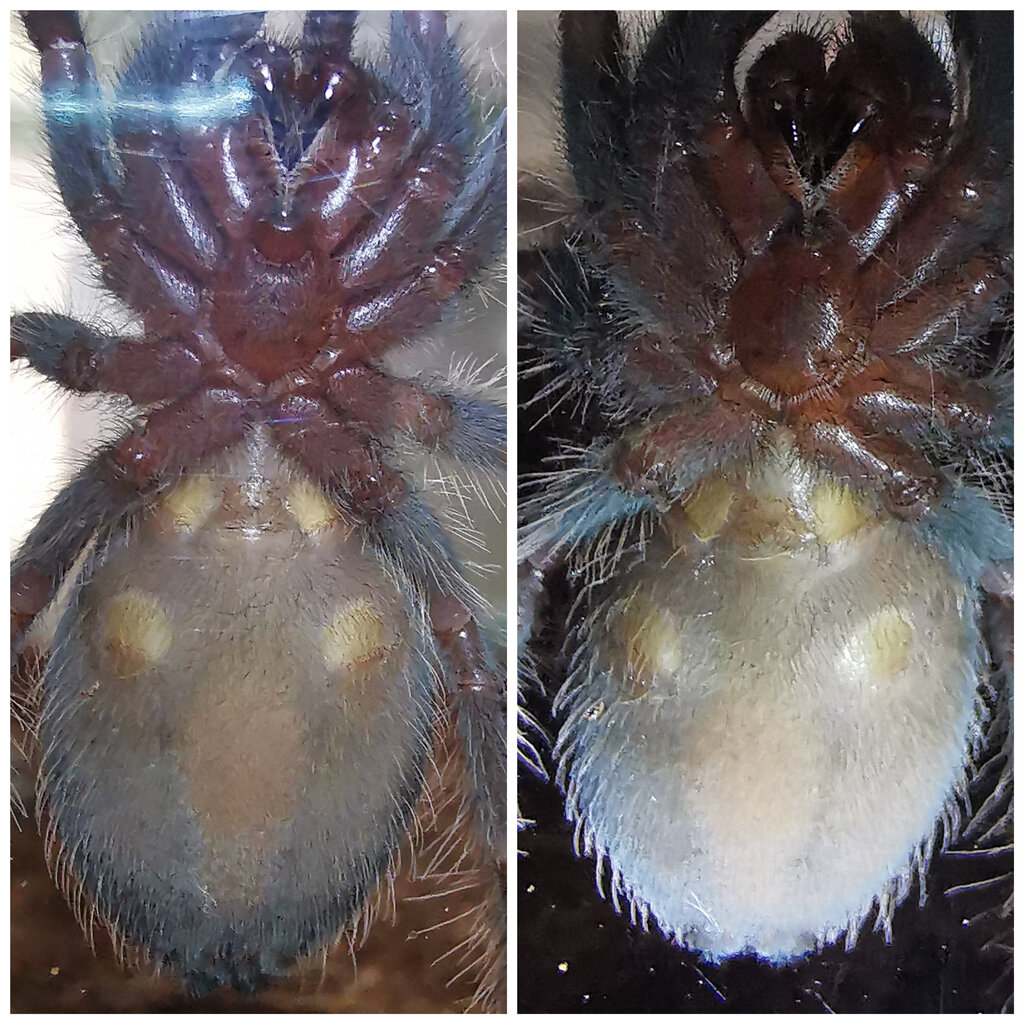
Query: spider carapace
263,628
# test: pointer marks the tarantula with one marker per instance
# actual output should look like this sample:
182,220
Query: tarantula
778,323
263,630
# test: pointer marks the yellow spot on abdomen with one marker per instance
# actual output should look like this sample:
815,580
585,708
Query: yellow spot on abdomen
888,639
836,513
310,508
192,501
138,632
708,507
356,636
651,642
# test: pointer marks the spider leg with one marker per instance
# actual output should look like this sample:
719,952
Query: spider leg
927,397
402,241
410,168
976,539
889,158
86,359
535,574
424,68
650,466
474,690
473,685
188,47
476,703
79,135
470,429
569,507
463,230
670,232
198,156
476,698
669,453
910,483
97,502
969,203
445,196
932,316
477,435
103,152
997,584
614,118
182,434
114,485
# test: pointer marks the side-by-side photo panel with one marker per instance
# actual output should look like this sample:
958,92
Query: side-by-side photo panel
258,512
765,511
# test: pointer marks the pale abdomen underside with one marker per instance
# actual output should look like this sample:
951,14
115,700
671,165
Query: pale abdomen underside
770,713
235,719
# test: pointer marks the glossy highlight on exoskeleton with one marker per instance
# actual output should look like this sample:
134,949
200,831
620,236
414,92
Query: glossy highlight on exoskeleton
775,344
263,630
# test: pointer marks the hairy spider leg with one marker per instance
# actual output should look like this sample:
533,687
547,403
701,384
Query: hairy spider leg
474,697
472,430
657,230
115,484
97,502
970,211
79,136
907,125
929,318
96,160
89,358
969,201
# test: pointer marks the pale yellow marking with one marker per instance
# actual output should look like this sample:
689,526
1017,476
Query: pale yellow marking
836,512
888,639
309,507
356,636
651,642
138,632
707,508
193,500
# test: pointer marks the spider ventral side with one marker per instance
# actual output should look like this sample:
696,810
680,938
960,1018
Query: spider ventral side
244,641
768,365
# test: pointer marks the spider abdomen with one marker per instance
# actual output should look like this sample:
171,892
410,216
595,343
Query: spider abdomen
234,723
771,712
